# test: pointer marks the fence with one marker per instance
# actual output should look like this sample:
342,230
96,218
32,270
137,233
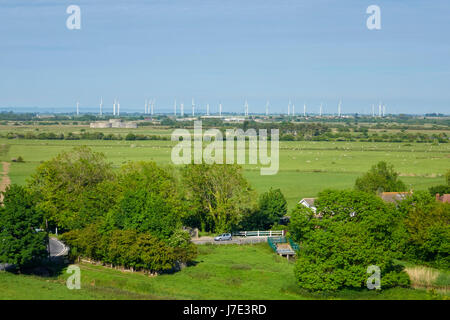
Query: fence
270,233
273,241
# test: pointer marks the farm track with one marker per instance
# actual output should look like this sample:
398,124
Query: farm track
6,181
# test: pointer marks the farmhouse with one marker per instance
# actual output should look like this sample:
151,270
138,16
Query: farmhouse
444,198
309,203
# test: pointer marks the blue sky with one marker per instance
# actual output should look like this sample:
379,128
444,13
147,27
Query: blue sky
315,51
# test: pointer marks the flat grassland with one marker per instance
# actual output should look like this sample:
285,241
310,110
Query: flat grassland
221,272
305,167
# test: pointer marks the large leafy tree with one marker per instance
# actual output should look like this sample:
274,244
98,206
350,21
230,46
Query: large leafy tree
219,195
427,224
148,200
74,188
20,242
380,178
351,231
272,206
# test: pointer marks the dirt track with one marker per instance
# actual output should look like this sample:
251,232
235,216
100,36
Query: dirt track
5,180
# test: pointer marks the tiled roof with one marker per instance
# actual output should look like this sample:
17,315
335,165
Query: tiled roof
394,196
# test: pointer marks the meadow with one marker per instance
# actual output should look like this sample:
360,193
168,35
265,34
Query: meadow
220,272
305,167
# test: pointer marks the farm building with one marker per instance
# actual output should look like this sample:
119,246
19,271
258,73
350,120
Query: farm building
309,203
444,198
114,123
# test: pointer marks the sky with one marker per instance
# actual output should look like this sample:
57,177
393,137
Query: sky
309,52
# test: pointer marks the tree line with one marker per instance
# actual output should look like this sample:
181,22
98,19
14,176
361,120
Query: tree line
132,217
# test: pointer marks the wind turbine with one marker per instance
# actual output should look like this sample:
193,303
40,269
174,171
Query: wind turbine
182,109
101,105
114,107
304,109
267,108
293,109
193,107
175,108
339,108
289,107
246,108
207,109
220,109
78,108
320,111
118,107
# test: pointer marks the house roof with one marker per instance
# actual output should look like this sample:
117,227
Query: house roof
394,196
444,198
309,201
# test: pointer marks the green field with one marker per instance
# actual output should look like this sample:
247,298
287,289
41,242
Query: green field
305,167
221,272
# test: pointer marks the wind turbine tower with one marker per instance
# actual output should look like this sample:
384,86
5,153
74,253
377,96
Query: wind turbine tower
118,107
289,108
182,109
320,111
175,108
114,107
339,108
220,109
267,108
304,109
101,105
78,108
246,108
293,109
207,109
193,107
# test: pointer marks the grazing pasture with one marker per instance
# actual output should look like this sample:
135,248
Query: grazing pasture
305,167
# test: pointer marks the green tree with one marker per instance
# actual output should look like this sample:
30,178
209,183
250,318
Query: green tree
427,223
272,206
380,178
219,195
21,244
148,201
74,188
351,231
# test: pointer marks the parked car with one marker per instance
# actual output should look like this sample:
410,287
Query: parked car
223,237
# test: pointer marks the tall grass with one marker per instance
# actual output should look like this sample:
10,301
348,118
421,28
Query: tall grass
429,278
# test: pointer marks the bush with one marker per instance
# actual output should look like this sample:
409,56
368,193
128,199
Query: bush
380,178
130,249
